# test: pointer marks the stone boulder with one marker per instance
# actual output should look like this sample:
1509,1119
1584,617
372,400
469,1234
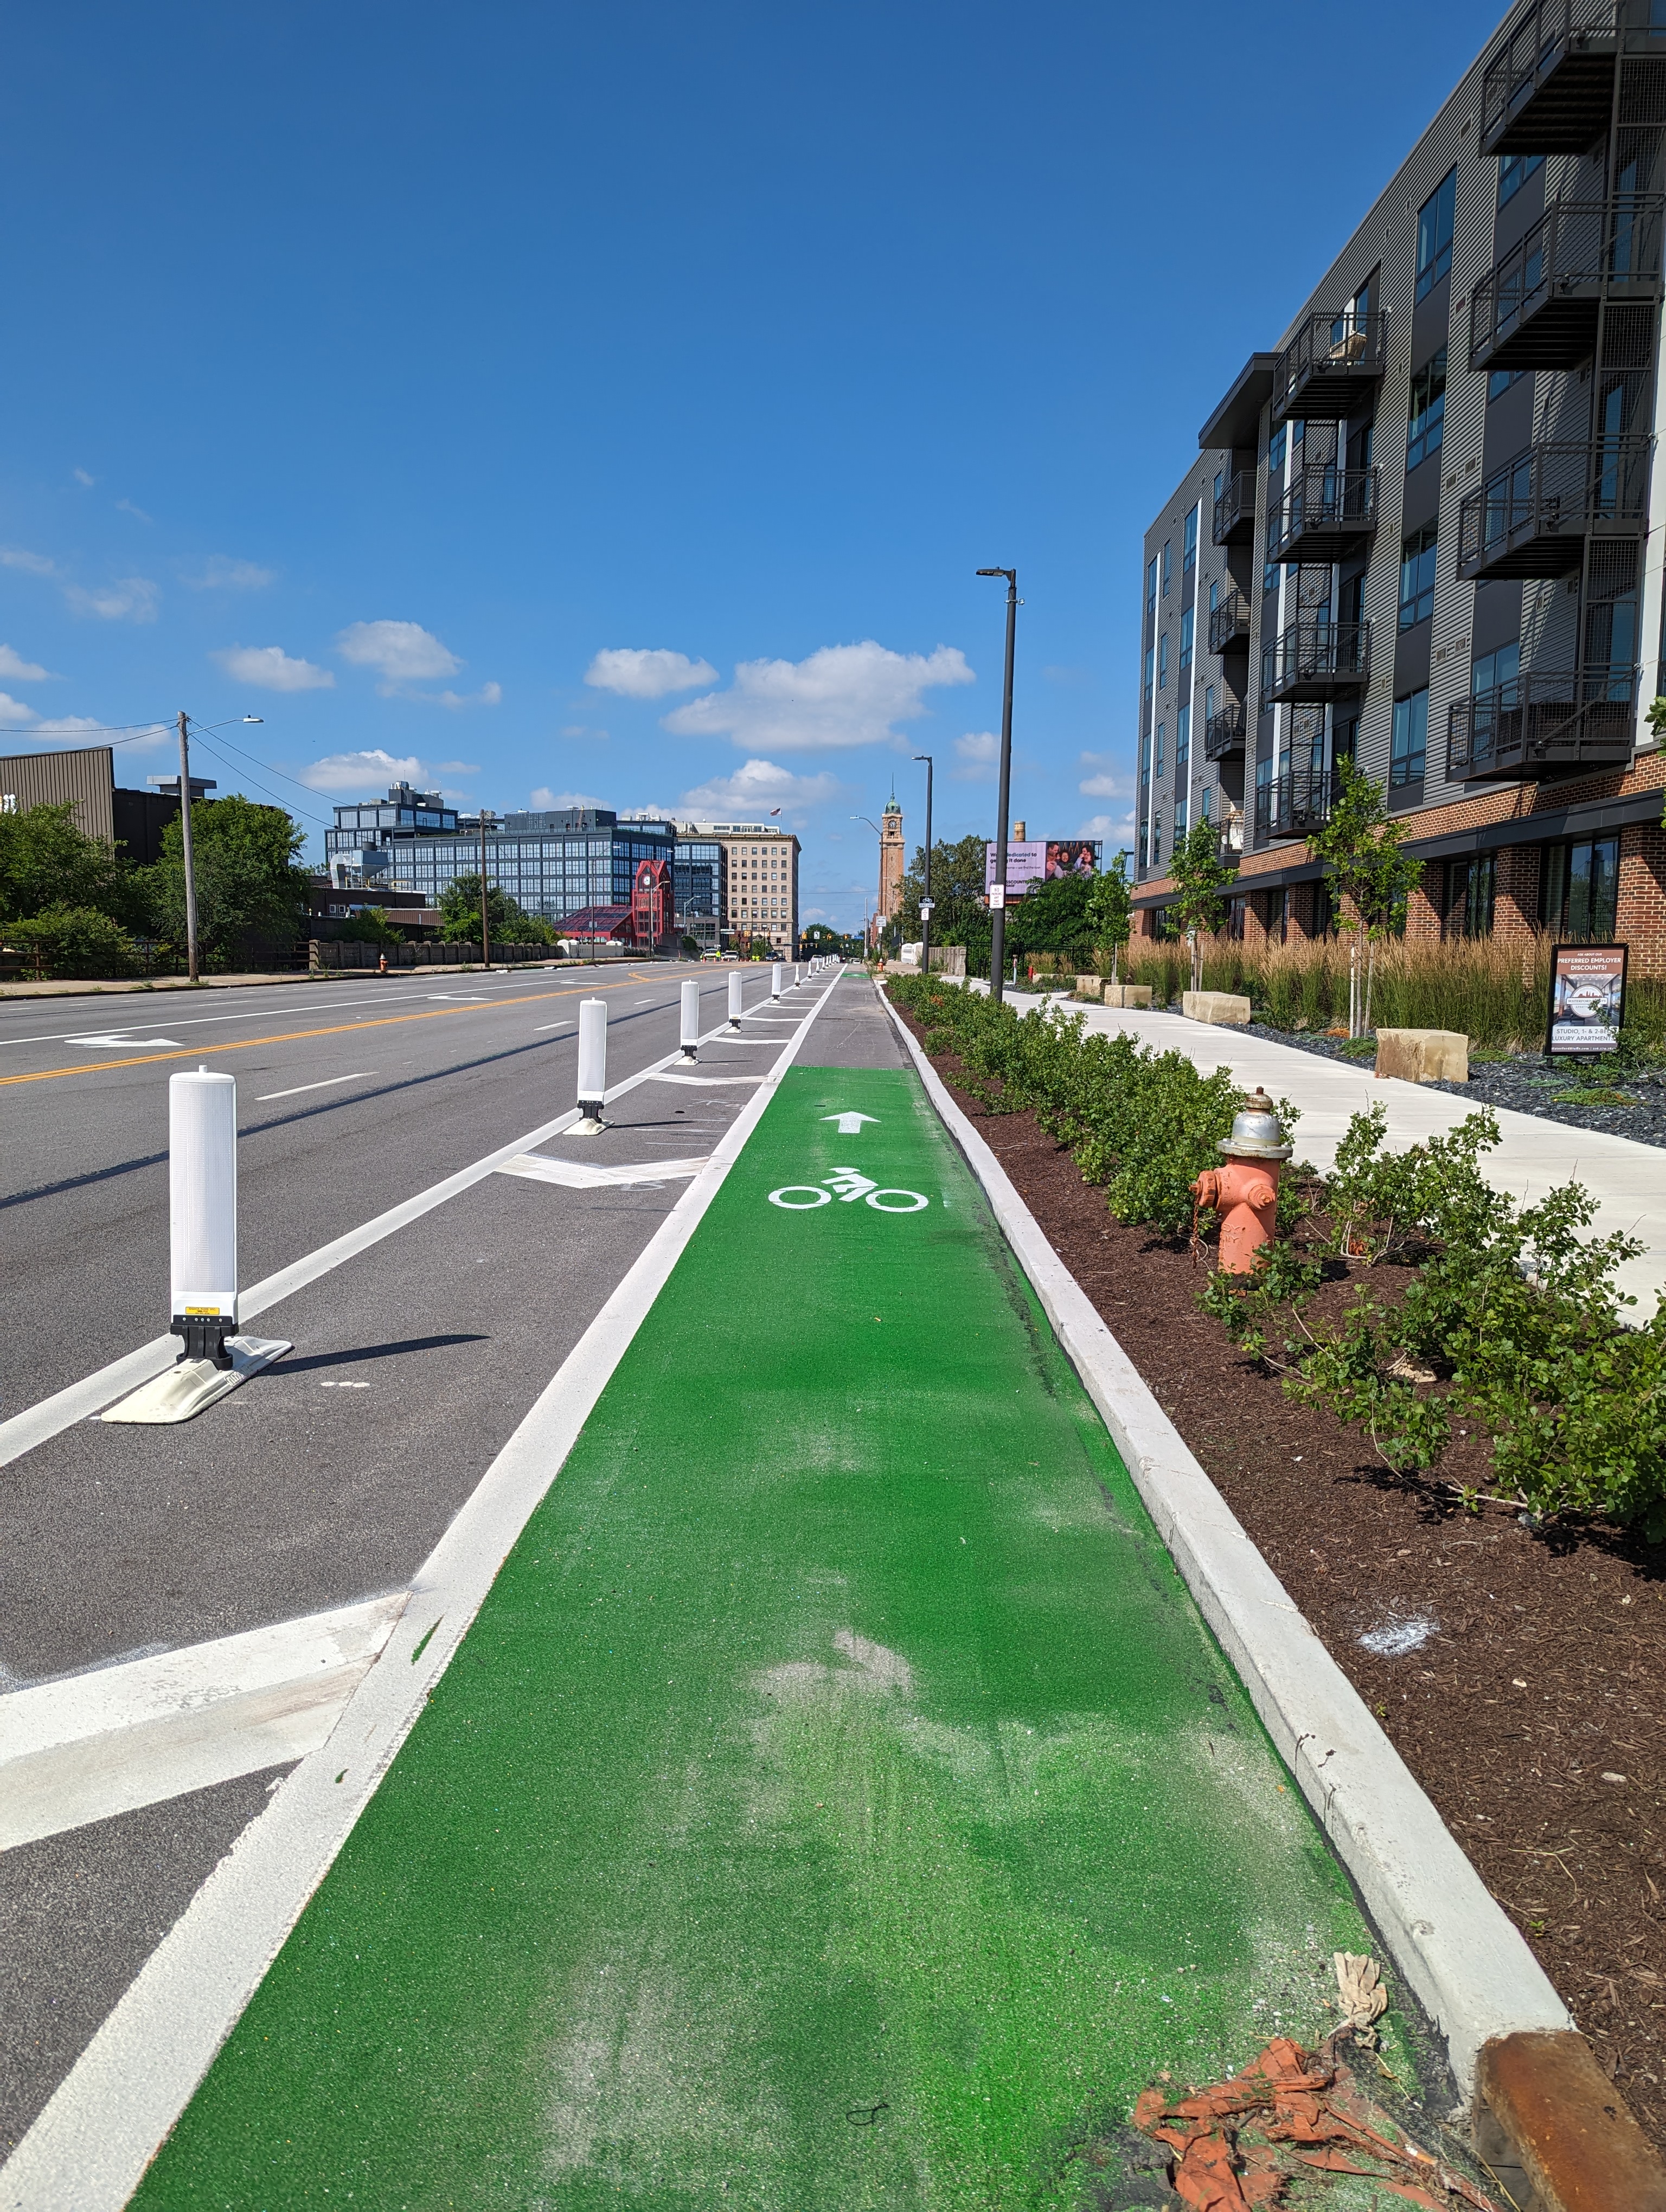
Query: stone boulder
1127,994
1089,987
1424,1055
1218,1007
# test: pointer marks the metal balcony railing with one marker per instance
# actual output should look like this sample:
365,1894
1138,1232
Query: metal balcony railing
1315,660
1531,517
1300,799
1325,511
1537,307
1223,733
1333,367
1229,623
1235,510
1549,88
1544,723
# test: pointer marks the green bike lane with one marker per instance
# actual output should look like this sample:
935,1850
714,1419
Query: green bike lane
837,1799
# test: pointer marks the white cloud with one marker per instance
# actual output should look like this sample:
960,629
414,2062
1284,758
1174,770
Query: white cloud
399,652
545,801
458,768
126,507
221,574
13,663
272,669
37,564
1104,782
977,752
843,694
130,598
14,711
489,695
637,671
77,725
757,788
363,771
1112,832
84,479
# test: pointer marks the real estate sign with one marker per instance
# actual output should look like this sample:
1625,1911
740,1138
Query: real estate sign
1587,998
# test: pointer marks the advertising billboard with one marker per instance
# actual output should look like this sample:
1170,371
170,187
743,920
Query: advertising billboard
1587,998
1032,860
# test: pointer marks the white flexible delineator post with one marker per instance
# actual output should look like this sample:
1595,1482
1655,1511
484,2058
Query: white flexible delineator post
689,1031
593,1066
201,1175
775,979
737,999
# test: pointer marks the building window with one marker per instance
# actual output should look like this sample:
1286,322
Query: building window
1417,577
1183,738
1579,888
1162,661
1150,659
1471,887
1497,671
1275,446
1410,748
1188,551
1186,621
1500,380
1157,838
1514,170
1209,703
1143,861
1151,582
1162,732
1168,564
1434,234
1179,820
1269,576
1428,413
1220,480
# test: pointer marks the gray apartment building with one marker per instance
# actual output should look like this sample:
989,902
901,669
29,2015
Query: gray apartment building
1423,528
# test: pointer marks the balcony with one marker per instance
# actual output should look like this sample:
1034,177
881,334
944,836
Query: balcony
1544,723
1293,803
1325,512
1223,733
1550,89
1531,517
1315,660
1537,308
1229,623
1235,511
1334,367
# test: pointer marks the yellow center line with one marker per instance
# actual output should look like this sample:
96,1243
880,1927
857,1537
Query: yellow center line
337,1029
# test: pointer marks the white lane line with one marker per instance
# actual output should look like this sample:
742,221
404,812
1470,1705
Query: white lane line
264,1012
80,1401
102,2125
705,1081
328,1083
542,1026
539,1167
109,1741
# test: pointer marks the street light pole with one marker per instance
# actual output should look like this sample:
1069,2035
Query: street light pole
926,896
868,935
185,843
998,914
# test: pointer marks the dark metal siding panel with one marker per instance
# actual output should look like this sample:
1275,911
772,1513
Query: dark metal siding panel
84,780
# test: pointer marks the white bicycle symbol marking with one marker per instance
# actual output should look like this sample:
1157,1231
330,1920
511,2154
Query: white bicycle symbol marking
849,1184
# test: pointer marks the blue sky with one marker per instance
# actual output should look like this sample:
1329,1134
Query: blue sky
616,401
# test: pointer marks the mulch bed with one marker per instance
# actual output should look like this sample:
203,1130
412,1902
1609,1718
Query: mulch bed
1542,1671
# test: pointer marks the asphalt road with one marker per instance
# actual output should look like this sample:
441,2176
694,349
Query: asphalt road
329,1477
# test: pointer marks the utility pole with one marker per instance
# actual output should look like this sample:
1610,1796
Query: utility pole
184,841
926,896
998,906
485,920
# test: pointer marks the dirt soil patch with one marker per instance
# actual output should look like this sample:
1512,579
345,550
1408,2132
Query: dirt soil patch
1521,1673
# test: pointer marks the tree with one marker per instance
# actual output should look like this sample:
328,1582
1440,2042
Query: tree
45,861
1199,875
1362,848
370,925
959,915
1110,910
509,922
1051,918
251,893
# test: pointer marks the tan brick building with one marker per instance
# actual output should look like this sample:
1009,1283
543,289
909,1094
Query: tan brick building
760,894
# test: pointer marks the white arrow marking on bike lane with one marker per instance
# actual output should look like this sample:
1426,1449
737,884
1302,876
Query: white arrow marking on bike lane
850,1125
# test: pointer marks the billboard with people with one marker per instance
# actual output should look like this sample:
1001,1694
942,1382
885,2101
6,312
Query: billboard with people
1032,860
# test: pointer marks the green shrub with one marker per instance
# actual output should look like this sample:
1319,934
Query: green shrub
72,941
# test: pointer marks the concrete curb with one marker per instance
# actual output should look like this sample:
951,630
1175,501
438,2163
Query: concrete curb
1459,1951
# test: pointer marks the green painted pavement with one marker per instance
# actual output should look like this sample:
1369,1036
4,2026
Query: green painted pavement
838,1801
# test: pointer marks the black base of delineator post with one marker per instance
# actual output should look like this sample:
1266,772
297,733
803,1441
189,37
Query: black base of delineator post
205,1337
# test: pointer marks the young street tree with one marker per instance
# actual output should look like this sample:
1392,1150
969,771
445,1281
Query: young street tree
1362,848
1110,910
251,892
1199,877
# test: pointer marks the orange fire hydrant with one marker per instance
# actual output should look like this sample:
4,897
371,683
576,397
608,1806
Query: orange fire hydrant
1245,1192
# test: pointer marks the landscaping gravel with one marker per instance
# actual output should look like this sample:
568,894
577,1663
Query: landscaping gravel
1528,1084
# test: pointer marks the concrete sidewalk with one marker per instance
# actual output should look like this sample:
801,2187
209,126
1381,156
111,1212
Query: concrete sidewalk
1536,1156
